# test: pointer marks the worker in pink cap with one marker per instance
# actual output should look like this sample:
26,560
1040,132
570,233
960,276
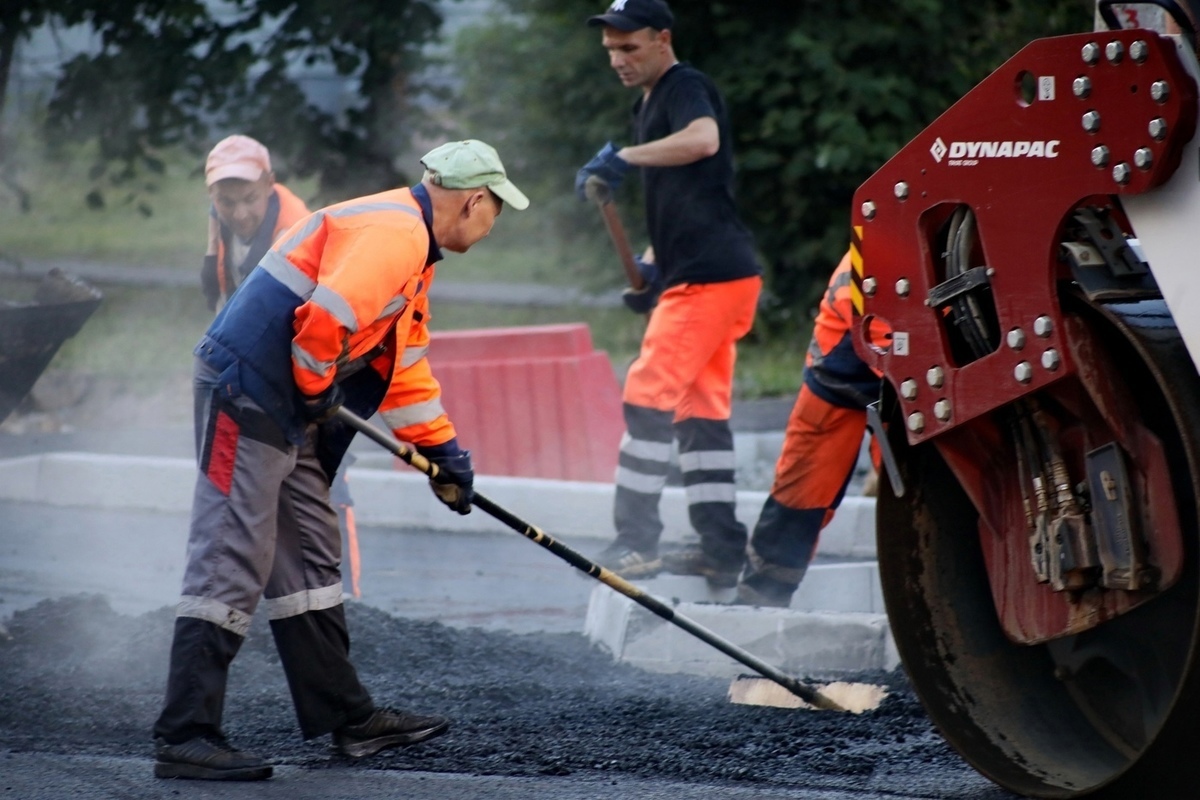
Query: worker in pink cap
249,212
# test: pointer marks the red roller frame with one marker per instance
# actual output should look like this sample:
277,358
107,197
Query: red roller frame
1017,152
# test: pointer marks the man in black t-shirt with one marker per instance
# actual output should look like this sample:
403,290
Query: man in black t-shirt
703,258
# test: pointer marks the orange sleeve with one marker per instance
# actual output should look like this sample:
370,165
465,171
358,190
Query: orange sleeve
413,405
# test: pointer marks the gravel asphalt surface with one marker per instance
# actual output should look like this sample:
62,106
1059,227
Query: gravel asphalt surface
481,628
82,681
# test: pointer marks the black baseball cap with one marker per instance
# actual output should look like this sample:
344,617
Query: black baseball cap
633,15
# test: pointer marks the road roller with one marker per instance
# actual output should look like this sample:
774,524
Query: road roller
1035,254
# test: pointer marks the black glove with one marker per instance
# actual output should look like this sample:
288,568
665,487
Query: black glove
209,282
643,301
321,407
605,165
649,272
640,301
455,479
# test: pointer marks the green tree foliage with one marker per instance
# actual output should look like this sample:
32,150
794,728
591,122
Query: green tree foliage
821,94
535,83
169,72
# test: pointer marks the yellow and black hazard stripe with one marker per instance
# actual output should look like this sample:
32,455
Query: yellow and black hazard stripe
856,270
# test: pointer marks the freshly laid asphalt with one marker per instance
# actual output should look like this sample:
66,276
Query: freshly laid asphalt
483,627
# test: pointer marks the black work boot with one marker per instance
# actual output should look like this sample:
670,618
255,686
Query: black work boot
208,758
627,562
768,583
386,728
759,590
692,560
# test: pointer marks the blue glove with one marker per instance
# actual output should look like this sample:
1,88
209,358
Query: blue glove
605,165
321,407
453,485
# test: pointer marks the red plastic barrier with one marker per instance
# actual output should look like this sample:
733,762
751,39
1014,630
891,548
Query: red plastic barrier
495,344
534,401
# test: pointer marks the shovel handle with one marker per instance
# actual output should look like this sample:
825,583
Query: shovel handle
601,194
535,534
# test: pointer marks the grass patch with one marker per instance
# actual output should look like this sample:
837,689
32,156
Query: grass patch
61,225
142,336
768,369
523,247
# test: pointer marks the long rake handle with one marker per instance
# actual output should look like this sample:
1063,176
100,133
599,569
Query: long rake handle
601,194
802,690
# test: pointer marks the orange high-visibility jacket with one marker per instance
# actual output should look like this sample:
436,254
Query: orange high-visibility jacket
832,370
368,258
345,288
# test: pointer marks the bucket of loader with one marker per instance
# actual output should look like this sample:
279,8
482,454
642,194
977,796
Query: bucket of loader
33,329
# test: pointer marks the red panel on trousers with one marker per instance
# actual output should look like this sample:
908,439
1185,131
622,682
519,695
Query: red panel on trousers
223,453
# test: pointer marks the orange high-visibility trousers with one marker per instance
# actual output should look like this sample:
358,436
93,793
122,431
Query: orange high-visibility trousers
820,450
681,387
690,348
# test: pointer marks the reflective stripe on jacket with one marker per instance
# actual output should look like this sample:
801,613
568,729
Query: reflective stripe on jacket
341,283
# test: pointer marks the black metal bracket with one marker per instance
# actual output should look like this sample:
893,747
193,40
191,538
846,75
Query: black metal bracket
875,423
947,291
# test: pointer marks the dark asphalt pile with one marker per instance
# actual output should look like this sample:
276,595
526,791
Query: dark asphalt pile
78,678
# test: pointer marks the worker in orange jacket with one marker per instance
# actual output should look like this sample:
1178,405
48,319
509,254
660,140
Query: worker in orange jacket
821,446
335,313
249,212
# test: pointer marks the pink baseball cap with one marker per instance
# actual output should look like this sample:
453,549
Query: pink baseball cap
236,156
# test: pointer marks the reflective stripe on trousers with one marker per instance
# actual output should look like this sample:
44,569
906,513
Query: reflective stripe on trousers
706,461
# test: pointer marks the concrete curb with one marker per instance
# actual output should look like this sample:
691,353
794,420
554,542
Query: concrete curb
394,498
798,642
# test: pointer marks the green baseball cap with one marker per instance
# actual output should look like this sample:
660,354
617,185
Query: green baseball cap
472,164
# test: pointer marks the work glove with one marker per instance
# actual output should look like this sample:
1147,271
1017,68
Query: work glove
209,283
605,165
643,301
321,407
453,485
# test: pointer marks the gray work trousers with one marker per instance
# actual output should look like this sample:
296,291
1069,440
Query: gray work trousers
262,527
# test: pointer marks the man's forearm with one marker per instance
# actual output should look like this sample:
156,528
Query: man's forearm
700,139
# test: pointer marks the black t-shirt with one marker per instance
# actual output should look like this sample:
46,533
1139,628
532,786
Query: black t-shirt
690,212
